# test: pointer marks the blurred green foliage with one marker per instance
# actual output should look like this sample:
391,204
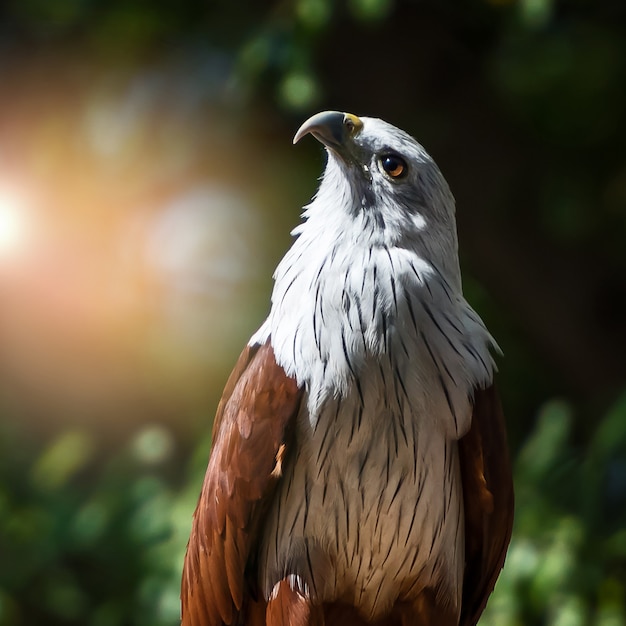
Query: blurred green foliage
567,561
88,540
523,104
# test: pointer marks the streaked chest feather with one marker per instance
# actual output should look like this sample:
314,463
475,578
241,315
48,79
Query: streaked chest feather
372,509
388,351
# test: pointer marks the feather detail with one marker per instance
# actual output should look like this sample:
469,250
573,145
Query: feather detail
289,606
488,502
250,437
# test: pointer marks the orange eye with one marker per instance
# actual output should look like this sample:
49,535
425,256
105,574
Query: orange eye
394,165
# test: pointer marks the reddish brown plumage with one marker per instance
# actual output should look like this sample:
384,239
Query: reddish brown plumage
258,403
423,610
488,502
288,607
250,440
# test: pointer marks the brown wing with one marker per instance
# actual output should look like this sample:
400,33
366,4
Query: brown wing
248,445
488,500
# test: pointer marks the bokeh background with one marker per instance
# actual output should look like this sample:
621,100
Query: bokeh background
147,189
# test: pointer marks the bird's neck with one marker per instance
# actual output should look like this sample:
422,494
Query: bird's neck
341,302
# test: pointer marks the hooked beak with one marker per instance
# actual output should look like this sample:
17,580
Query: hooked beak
332,128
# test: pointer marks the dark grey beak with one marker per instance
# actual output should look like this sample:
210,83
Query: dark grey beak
332,128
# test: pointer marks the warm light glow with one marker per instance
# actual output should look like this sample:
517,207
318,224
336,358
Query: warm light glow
12,223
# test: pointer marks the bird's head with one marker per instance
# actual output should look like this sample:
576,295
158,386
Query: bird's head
385,183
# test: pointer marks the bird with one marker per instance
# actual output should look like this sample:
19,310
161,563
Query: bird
359,471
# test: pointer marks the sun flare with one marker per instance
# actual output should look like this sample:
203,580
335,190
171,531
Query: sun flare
12,223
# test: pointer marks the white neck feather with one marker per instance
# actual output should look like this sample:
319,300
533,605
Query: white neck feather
352,290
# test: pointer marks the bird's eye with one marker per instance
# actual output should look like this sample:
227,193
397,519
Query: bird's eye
393,165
